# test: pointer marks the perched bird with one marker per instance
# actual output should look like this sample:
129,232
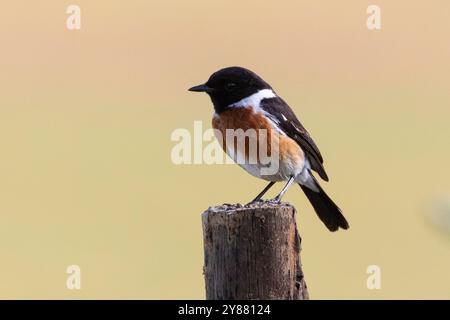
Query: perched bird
243,100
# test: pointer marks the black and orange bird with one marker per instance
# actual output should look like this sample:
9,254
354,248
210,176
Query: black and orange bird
243,100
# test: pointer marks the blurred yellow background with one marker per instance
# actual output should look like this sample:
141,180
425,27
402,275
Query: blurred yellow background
86,117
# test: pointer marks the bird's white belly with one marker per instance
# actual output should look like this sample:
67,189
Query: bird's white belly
280,171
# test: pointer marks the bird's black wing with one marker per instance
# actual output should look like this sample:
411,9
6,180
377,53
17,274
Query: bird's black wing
280,112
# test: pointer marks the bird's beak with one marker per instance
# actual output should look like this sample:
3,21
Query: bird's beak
201,88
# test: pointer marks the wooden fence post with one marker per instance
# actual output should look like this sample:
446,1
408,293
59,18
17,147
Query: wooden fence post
252,252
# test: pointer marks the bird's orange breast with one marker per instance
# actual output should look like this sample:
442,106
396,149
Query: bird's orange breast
247,120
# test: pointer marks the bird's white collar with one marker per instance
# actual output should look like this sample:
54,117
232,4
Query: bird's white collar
255,99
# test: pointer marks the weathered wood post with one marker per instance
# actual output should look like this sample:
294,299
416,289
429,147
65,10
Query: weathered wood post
252,252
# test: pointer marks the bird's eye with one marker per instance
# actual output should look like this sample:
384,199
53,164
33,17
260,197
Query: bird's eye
230,86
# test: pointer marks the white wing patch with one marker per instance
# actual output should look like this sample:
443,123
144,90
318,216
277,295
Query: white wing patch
295,127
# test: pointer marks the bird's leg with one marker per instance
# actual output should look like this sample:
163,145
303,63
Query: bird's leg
260,195
277,199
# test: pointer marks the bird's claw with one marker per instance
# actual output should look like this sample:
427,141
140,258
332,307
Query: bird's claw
255,201
274,200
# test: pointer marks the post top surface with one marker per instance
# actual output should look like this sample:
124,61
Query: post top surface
237,207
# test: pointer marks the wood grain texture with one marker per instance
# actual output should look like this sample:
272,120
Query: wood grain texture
252,252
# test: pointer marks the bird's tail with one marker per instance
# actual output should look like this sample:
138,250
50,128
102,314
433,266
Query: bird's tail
326,209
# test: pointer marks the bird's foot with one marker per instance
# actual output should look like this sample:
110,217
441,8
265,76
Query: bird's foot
254,201
275,200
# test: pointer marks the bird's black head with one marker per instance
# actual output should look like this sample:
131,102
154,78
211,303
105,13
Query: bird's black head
231,85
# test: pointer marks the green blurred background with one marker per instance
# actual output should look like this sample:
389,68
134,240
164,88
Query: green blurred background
86,117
